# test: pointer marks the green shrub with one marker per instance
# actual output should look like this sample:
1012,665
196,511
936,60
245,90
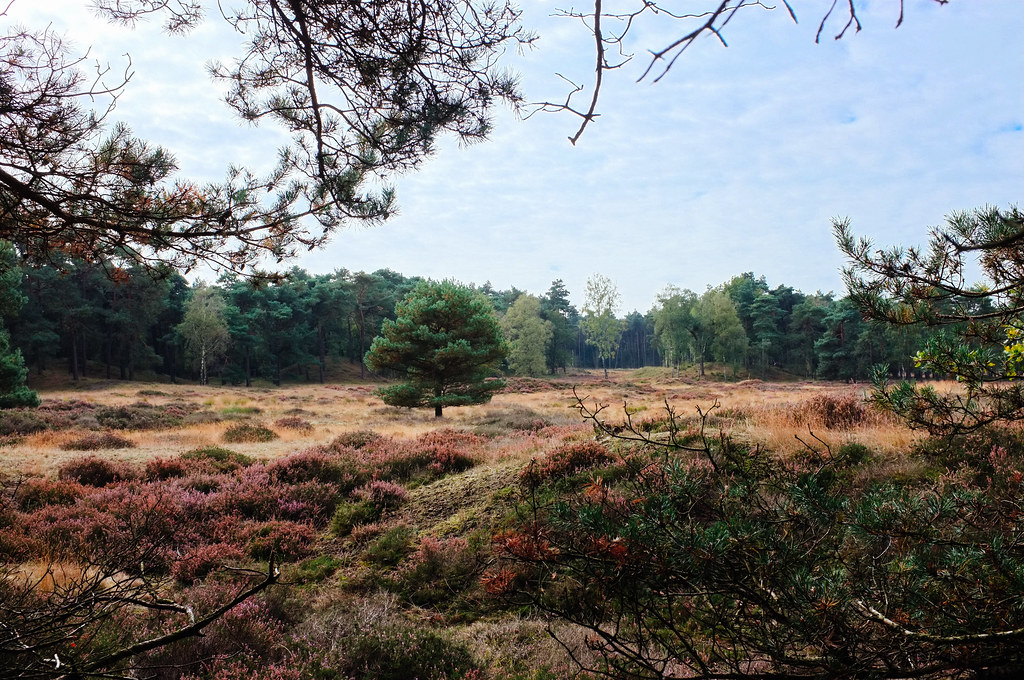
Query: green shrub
349,515
400,652
389,548
219,458
248,433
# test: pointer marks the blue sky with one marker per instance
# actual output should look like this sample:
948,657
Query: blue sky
736,161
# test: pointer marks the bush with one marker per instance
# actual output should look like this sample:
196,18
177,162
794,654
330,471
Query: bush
350,515
831,411
294,423
218,459
143,416
356,439
286,541
94,471
566,460
382,495
248,433
389,548
96,442
397,652
33,494
315,465
22,422
196,564
160,469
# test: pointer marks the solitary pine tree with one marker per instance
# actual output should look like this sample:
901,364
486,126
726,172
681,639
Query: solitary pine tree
447,342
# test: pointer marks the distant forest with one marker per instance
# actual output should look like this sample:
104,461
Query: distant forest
122,324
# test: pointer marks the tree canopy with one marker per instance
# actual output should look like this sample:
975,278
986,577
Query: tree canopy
447,342
363,89
982,324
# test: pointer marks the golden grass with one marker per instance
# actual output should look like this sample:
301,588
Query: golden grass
752,411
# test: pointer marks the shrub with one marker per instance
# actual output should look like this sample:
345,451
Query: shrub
286,541
143,416
94,471
248,433
294,423
218,459
831,411
381,494
390,547
159,469
439,568
22,422
314,464
96,442
196,564
350,515
356,439
566,460
398,652
33,494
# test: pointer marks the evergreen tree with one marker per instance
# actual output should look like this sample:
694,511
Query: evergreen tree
564,319
13,392
446,341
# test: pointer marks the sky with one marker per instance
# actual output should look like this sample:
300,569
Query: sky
736,161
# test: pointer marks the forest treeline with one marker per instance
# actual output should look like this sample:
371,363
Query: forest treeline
118,324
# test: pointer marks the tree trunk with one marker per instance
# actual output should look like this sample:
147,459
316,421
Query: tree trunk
437,411
323,351
74,356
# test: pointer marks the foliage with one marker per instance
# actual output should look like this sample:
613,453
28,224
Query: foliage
248,433
204,329
599,324
446,342
95,441
713,560
13,392
528,336
363,91
981,324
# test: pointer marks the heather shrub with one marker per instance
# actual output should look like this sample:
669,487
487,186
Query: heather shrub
831,411
21,422
381,494
286,541
159,469
439,569
390,547
33,494
96,442
143,416
95,471
315,465
195,564
347,516
218,459
356,439
514,418
294,423
566,460
248,433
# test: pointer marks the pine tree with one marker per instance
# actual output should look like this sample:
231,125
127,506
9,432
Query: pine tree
447,343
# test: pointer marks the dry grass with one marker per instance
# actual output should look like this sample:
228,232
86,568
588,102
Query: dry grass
753,411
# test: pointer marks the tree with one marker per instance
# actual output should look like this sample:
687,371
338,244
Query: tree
599,324
612,23
528,336
13,392
447,343
563,317
981,325
204,328
364,89
691,555
672,324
